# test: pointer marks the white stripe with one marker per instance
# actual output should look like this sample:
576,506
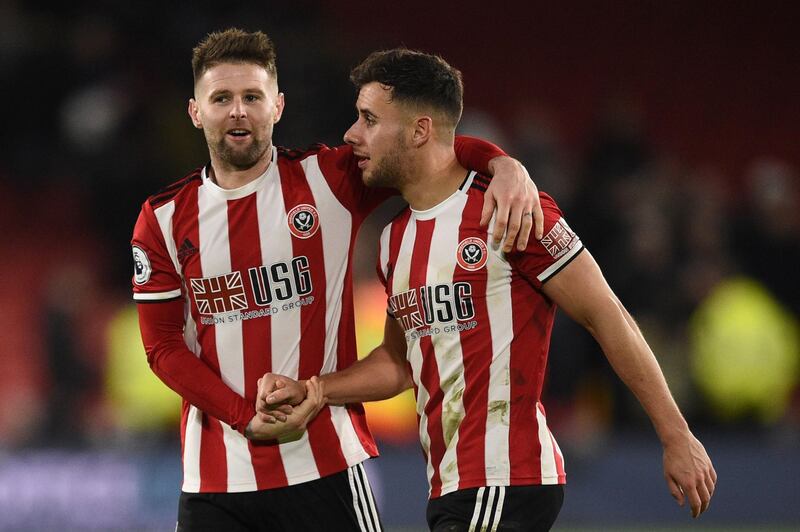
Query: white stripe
191,445
298,461
363,498
549,471
164,215
501,324
373,509
336,225
487,513
352,449
157,296
477,512
215,260
191,451
542,277
468,181
351,477
384,250
400,280
447,346
499,510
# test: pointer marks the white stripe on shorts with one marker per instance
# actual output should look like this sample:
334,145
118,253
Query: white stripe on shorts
363,503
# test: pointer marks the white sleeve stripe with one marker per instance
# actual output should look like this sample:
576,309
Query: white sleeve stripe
156,296
560,263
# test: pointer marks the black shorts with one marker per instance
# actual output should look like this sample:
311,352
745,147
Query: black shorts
528,508
342,501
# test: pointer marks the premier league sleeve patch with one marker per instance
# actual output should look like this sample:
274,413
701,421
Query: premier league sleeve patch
303,221
472,253
141,266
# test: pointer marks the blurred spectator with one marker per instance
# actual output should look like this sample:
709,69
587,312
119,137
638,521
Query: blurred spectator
745,353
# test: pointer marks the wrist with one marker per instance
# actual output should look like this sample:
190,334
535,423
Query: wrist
673,433
496,164
248,430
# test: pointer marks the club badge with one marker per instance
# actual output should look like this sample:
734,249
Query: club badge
472,253
303,221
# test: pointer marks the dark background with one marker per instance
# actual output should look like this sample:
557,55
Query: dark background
667,132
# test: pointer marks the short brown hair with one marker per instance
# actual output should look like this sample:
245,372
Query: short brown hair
234,45
416,78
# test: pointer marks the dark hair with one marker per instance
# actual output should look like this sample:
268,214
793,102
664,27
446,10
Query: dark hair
234,46
416,78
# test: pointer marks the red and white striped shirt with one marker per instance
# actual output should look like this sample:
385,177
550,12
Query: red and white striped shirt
478,329
254,280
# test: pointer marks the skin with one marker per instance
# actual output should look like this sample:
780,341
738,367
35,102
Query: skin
231,97
403,148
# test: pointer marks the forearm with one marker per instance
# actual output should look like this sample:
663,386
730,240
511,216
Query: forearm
477,154
171,360
634,362
194,381
378,376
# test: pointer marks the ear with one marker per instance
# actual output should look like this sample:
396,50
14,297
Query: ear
423,131
194,113
280,103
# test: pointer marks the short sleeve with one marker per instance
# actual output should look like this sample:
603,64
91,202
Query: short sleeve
544,258
154,275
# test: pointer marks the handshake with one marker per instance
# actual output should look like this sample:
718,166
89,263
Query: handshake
284,407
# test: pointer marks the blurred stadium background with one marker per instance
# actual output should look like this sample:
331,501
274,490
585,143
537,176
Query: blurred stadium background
668,132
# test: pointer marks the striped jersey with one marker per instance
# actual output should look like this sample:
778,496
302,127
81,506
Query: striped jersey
264,274
477,328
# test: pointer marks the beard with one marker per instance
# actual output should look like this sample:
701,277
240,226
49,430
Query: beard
390,171
239,158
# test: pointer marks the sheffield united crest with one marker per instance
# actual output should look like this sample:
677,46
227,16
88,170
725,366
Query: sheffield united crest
303,221
472,253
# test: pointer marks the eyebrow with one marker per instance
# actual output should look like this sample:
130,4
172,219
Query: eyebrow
217,92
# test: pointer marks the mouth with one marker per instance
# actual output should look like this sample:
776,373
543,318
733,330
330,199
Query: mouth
362,161
238,134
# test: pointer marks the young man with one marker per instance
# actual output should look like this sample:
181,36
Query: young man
469,326
243,267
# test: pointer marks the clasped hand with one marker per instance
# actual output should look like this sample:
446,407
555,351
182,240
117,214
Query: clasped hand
284,407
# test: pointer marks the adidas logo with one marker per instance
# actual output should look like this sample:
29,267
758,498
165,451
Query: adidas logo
186,250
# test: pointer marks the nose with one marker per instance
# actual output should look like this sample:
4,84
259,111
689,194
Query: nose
238,109
350,136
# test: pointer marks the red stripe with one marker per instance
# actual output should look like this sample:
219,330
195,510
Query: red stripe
396,233
528,358
213,461
477,349
347,350
560,471
429,373
322,436
245,250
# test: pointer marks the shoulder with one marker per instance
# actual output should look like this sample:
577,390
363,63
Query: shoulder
321,150
168,193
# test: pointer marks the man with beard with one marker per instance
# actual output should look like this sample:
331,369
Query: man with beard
469,326
243,267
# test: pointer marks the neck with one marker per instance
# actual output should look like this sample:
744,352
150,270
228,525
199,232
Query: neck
436,175
229,177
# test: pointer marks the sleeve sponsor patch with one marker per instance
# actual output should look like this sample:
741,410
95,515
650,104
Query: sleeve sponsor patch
141,266
560,239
